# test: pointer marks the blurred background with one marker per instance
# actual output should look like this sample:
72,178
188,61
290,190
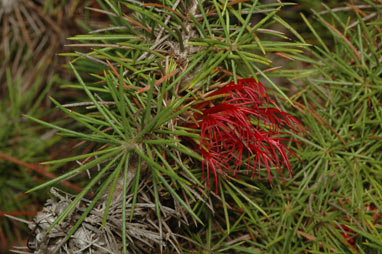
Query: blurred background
33,35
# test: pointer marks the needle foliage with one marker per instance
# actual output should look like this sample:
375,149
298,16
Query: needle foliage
147,70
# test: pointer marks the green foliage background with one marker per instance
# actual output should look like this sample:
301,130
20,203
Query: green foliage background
324,68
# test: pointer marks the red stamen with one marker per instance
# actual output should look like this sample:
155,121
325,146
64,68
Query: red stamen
244,126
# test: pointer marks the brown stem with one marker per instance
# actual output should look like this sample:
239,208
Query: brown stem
39,169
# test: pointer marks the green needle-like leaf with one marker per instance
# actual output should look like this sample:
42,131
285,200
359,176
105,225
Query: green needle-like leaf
112,189
78,170
79,196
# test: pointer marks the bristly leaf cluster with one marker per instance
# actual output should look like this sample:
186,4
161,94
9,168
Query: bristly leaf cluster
144,73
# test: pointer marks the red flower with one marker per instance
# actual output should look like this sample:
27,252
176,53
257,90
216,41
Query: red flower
348,234
243,128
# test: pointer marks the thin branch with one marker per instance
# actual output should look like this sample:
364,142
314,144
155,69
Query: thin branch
370,16
362,6
42,170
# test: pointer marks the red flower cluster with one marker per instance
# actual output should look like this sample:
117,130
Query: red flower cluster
243,128
349,235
